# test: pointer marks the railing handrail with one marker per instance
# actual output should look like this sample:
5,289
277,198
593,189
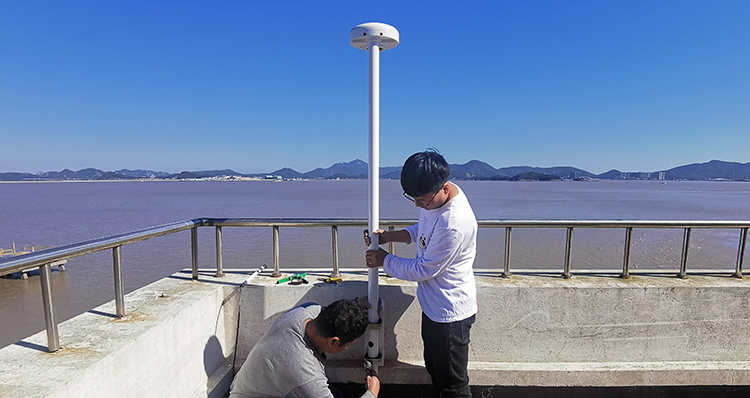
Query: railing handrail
25,261
300,222
352,222
613,224
44,258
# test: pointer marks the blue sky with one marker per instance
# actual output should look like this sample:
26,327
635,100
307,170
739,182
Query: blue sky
259,85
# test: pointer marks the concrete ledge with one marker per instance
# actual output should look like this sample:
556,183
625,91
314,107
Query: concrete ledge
561,374
608,374
175,341
178,337
537,329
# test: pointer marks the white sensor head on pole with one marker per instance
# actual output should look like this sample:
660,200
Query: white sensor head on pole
361,35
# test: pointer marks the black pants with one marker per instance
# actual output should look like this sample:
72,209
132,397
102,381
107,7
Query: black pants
337,393
446,355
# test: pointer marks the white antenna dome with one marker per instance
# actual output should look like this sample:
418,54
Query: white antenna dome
360,35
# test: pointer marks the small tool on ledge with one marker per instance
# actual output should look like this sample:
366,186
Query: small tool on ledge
295,279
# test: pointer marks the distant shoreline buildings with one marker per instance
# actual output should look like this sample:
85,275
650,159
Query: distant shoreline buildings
714,170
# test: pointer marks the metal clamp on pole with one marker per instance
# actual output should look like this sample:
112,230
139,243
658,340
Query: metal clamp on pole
376,325
379,359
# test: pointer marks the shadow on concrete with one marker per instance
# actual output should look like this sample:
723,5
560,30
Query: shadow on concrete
102,313
204,277
33,346
542,274
213,355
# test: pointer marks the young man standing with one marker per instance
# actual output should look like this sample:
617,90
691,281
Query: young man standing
289,360
443,268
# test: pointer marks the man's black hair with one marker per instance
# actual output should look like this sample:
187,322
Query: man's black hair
424,173
343,319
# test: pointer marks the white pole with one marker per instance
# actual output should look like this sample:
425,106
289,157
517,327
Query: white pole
374,192
374,37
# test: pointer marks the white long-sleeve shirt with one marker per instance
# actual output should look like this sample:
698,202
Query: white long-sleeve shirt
446,241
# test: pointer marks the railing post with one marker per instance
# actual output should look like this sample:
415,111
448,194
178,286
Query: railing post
506,265
741,252
568,247
276,272
53,338
685,247
391,245
335,250
626,253
219,254
119,286
194,250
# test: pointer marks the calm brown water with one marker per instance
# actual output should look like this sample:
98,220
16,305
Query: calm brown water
64,213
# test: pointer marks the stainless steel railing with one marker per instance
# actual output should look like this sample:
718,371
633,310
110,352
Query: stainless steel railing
276,224
43,259
628,226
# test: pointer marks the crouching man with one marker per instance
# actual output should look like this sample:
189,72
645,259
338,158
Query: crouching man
289,360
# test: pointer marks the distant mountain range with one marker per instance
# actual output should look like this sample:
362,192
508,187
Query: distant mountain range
357,169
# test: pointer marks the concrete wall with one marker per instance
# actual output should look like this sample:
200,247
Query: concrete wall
543,330
178,337
177,340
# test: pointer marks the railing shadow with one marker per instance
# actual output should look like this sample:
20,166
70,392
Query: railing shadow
207,277
95,312
33,346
